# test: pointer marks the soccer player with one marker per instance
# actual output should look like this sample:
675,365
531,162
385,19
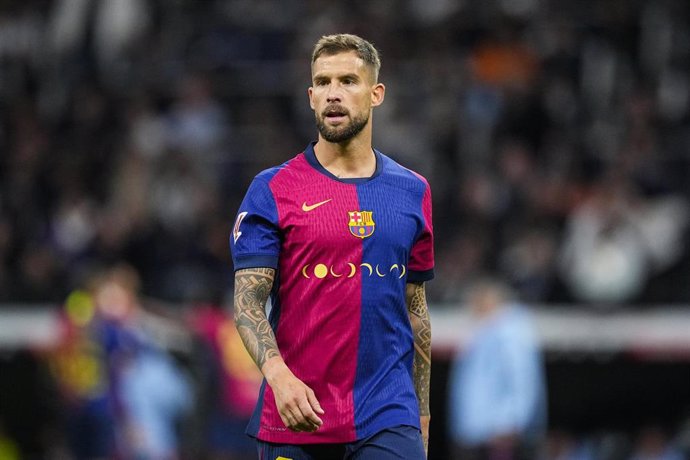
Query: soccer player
340,238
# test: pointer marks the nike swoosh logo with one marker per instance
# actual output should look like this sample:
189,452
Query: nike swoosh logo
310,207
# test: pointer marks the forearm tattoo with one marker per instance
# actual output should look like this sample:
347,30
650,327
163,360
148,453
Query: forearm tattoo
252,288
421,328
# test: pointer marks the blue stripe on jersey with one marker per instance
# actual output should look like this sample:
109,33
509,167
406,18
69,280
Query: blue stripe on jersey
386,350
255,420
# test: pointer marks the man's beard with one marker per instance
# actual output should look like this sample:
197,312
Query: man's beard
340,134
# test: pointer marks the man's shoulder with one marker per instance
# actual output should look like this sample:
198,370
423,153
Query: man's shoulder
268,174
402,175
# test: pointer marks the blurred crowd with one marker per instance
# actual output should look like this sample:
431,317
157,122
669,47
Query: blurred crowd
554,134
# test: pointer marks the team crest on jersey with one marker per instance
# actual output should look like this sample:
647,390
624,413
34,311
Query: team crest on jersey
361,223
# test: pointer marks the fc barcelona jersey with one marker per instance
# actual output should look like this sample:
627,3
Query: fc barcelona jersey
343,250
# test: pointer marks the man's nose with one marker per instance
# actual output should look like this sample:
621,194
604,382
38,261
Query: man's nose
333,94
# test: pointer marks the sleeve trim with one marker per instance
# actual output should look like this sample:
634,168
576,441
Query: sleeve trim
256,261
414,276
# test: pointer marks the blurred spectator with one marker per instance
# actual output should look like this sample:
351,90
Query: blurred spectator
652,443
197,123
104,31
177,194
497,400
503,62
564,445
155,396
617,240
40,277
6,237
463,260
528,264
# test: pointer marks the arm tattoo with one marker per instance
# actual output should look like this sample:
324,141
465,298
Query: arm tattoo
252,288
421,328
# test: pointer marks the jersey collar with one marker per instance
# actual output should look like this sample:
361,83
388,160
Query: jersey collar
314,162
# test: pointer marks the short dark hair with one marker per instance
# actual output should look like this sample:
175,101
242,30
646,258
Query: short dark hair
333,44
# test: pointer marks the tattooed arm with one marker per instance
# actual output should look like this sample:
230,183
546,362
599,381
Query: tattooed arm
421,328
296,402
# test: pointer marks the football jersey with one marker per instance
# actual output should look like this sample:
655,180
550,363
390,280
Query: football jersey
343,250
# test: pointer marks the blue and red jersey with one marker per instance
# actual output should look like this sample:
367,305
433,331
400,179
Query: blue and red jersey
344,250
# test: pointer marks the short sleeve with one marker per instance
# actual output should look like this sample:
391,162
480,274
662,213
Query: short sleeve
421,264
255,240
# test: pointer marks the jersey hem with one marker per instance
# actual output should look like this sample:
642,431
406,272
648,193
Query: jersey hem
288,437
388,422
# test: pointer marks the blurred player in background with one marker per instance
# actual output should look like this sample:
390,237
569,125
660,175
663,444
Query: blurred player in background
230,386
122,394
340,237
497,401
151,393
79,365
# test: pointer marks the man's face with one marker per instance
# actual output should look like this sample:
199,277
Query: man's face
342,95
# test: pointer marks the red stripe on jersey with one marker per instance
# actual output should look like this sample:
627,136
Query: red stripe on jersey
422,254
314,281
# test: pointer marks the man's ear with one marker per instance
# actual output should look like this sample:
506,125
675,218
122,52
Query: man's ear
378,92
310,92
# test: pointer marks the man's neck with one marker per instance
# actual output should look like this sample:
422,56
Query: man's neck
354,159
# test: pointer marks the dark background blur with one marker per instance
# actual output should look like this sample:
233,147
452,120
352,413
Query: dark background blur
555,136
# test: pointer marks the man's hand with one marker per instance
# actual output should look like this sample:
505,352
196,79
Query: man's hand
424,421
297,404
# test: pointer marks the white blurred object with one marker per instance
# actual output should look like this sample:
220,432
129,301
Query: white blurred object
662,223
673,95
611,247
520,8
118,24
602,265
74,227
430,12
67,25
